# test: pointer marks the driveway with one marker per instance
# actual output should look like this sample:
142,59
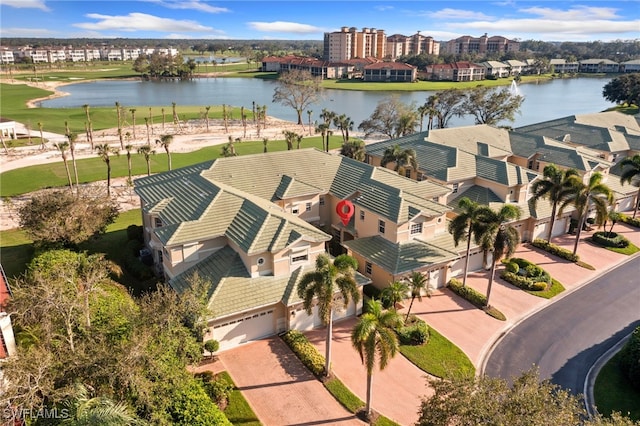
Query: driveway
278,387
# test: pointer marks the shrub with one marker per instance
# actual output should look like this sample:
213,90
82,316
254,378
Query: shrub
473,296
610,239
630,221
531,276
512,267
555,250
534,271
630,359
539,286
211,346
304,350
135,233
132,262
216,387
415,334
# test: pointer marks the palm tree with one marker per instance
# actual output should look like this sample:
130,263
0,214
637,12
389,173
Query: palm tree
83,410
133,121
465,225
417,283
229,150
432,109
225,118
104,152
72,137
298,140
584,196
321,285
206,117
354,149
374,337
62,147
119,117
146,123
165,141
146,151
554,187
323,129
129,148
42,144
395,293
497,236
264,142
289,138
89,125
309,112
345,124
630,167
401,157
422,111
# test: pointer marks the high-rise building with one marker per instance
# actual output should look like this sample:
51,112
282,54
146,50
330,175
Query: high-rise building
349,43
399,45
482,45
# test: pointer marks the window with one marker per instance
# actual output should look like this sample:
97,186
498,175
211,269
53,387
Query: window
435,199
301,258
260,261
307,207
530,166
295,210
157,222
368,267
322,201
361,214
416,228
381,226
455,188
407,173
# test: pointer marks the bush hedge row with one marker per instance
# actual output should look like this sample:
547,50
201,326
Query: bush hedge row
304,350
630,359
630,221
555,250
466,292
610,239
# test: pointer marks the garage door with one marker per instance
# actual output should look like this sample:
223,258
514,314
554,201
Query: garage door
235,332
560,227
541,231
475,264
626,204
301,321
340,311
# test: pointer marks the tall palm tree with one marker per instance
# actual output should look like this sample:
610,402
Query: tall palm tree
289,138
309,112
146,151
42,143
395,293
104,152
554,187
206,117
584,196
323,129
119,118
72,137
417,282
165,142
89,124
321,284
432,109
400,157
375,339
496,235
422,111
146,123
345,124
465,226
129,148
265,141
62,147
225,118
630,167
133,121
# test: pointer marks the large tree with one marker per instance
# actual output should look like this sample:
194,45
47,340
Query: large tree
630,167
375,339
165,142
446,105
297,89
555,187
399,157
584,197
624,89
391,118
465,226
105,151
490,105
355,149
57,218
322,284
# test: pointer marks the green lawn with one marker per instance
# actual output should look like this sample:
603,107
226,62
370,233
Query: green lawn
32,178
439,357
613,391
238,411
556,288
629,250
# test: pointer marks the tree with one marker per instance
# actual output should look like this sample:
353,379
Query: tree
297,89
62,147
394,293
355,149
624,89
84,410
585,196
321,285
165,142
554,187
345,124
119,122
42,141
146,151
446,105
309,112
399,157
391,118
265,141
59,219
104,152
128,149
417,282
374,338
72,137
490,106
133,121
497,236
89,124
228,149
630,167
206,117
465,225
211,346
289,138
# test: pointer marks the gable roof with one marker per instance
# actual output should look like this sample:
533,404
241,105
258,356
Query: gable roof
467,138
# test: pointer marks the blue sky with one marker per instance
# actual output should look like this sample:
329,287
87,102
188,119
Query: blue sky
584,20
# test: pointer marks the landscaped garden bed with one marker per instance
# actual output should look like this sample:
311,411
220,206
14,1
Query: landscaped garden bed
614,242
560,252
475,298
530,277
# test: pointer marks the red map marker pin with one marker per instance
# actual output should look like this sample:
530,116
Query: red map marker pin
345,210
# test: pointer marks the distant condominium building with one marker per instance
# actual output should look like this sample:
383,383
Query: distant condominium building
349,43
484,44
400,45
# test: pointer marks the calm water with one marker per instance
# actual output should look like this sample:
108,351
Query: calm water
543,101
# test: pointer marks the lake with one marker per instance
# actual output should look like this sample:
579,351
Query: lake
546,100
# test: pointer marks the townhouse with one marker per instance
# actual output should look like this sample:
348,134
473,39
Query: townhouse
480,45
457,71
562,66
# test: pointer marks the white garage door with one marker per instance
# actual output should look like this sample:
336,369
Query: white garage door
475,264
340,311
541,231
231,334
301,321
560,227
626,204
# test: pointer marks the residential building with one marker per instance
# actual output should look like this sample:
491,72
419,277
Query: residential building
495,68
561,66
399,45
390,71
457,71
349,43
599,66
630,66
480,45
6,56
516,67
317,67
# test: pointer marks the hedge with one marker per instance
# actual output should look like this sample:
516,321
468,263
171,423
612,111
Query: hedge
473,296
304,350
630,359
610,239
526,275
556,250
629,220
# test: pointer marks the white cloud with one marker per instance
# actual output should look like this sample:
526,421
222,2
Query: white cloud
26,4
284,27
140,22
191,5
456,14
550,27
577,13
383,8
27,32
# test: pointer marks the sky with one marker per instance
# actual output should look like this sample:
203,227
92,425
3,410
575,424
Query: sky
578,20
